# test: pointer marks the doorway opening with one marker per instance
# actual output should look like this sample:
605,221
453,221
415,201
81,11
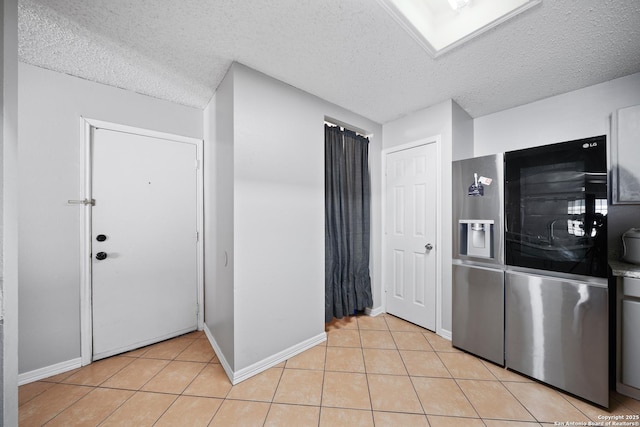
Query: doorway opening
347,223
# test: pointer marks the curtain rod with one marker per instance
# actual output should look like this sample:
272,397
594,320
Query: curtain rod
343,127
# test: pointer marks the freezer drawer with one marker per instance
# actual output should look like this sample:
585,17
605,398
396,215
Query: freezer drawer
478,311
631,343
557,332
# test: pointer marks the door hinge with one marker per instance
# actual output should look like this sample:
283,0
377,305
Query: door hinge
197,236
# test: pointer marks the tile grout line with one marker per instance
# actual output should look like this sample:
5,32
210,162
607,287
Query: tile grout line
152,377
455,380
181,394
191,382
36,395
324,373
118,407
95,387
139,390
522,403
271,402
413,386
69,405
366,377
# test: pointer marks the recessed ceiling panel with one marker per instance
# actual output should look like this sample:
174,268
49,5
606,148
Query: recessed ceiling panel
441,25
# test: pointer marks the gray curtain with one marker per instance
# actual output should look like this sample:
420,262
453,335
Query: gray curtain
347,223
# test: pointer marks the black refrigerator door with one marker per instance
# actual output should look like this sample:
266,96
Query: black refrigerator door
556,207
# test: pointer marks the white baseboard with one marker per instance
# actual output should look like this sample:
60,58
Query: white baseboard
245,373
271,361
374,311
627,390
223,361
445,334
49,371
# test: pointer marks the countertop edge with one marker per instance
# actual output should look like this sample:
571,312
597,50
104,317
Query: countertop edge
624,269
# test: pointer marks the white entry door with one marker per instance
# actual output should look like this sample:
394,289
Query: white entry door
143,240
410,234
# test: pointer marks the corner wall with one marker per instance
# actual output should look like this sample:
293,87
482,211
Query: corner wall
9,214
50,165
218,227
462,134
278,215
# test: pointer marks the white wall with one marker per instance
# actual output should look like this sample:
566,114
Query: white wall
462,134
218,206
573,115
279,217
439,120
278,221
9,214
50,174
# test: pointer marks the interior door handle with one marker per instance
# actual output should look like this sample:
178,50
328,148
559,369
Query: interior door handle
101,255
428,246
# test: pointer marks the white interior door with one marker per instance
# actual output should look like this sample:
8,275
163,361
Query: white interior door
410,234
144,240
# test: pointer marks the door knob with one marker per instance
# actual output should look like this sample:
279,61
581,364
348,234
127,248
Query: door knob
101,237
428,246
101,255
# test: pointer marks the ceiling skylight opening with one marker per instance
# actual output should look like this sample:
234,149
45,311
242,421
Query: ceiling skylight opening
441,25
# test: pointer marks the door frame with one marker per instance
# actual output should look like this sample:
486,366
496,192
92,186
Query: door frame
438,242
86,309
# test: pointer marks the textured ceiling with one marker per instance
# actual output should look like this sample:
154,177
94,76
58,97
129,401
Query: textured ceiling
349,52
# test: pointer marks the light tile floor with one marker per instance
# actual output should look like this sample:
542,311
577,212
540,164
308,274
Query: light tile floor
372,371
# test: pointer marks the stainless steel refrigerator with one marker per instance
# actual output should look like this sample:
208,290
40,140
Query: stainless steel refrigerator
530,287
556,288
478,257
